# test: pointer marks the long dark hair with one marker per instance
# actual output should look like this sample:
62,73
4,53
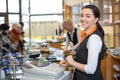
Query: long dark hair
96,13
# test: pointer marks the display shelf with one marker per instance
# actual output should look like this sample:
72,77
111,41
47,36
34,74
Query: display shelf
116,76
115,57
116,67
114,63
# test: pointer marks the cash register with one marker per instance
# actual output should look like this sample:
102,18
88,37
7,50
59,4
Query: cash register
41,69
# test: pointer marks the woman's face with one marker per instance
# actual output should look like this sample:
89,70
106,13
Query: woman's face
17,28
87,19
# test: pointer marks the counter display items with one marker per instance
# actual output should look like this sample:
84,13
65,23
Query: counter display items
35,66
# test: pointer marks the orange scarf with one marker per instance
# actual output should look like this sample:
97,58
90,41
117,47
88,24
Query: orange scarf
84,34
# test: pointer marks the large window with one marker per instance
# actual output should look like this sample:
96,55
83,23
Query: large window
13,11
2,5
13,6
10,8
49,11
2,19
46,6
44,14
13,18
25,7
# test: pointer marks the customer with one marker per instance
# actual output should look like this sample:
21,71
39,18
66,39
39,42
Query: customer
16,36
72,36
90,51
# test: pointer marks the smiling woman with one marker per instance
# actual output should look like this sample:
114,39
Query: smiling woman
90,50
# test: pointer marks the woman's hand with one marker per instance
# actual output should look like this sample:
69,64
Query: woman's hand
64,63
70,60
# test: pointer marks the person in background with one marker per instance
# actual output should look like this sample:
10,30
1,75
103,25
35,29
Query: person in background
72,36
90,51
16,37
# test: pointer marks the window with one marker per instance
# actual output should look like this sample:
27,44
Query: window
2,5
25,7
13,18
45,18
2,19
13,6
46,6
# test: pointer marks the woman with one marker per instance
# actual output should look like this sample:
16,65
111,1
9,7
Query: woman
16,37
90,51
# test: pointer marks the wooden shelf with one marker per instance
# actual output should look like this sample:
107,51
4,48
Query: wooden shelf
116,67
115,77
115,57
111,62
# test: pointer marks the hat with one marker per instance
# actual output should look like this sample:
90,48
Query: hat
4,27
